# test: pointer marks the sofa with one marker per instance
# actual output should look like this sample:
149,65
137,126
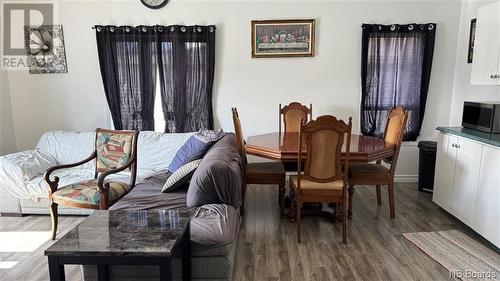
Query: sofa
212,197
24,191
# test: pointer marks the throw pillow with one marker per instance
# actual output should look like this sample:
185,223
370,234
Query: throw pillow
181,176
195,147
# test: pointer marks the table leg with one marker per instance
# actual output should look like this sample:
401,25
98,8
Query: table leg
186,255
351,194
56,270
103,272
166,269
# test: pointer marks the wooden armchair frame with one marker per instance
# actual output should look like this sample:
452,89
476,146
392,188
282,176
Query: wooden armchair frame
103,187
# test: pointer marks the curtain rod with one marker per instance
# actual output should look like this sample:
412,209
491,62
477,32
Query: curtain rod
149,26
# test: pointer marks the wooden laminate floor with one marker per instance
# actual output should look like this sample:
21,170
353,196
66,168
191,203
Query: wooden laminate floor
267,245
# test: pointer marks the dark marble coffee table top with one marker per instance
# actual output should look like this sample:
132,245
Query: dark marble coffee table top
124,233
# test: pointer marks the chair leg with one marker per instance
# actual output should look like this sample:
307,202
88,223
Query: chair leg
351,194
390,189
282,198
344,218
379,195
299,219
54,217
243,192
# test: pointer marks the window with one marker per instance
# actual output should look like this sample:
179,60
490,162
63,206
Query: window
396,63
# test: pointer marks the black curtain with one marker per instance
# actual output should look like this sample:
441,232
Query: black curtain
396,62
186,56
127,57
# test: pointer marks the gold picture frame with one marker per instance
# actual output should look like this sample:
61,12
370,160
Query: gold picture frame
283,38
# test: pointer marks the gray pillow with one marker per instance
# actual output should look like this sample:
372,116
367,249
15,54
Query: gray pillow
218,178
180,176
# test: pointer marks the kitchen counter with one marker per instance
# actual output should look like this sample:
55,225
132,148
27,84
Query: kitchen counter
487,138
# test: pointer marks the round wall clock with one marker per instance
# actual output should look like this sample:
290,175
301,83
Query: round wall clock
154,4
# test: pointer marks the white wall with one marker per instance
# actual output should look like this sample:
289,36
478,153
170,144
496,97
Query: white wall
330,80
7,134
462,89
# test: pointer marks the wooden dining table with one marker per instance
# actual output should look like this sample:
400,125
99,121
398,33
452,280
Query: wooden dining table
284,147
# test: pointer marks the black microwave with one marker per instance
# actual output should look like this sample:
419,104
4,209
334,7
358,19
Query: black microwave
482,116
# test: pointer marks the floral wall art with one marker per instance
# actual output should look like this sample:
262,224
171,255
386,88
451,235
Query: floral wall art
45,49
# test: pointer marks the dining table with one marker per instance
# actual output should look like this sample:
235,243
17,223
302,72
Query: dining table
284,147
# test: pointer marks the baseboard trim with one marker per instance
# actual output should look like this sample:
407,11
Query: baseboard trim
406,178
11,215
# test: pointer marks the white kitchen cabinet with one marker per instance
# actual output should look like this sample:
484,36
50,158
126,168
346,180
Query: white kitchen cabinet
468,161
486,59
487,214
467,183
445,171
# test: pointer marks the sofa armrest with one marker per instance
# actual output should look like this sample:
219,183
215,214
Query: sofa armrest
11,164
18,168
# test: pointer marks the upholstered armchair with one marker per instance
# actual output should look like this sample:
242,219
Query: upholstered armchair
115,151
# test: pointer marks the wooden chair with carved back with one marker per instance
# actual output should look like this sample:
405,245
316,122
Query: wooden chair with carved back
114,152
291,114
375,173
325,175
272,173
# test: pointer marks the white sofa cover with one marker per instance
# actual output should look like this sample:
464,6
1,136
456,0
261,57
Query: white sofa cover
22,173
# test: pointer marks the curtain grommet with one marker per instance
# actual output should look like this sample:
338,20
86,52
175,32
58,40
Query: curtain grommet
160,29
98,29
410,27
127,29
199,29
430,27
172,29
183,29
112,29
422,27
144,29
211,29
393,27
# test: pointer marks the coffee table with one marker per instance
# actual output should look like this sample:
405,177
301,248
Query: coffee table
125,237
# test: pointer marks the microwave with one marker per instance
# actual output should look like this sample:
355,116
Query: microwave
482,116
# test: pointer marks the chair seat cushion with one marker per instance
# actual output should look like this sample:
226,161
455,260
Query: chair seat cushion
306,184
265,168
87,192
361,169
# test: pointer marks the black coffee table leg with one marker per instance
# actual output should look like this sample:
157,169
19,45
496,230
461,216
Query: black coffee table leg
186,255
56,270
102,272
166,269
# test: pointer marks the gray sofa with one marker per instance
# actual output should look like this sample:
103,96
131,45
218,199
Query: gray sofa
212,198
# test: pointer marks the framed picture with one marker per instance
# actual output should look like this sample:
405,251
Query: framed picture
45,49
282,38
472,37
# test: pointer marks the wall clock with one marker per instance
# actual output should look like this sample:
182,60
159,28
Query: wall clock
154,4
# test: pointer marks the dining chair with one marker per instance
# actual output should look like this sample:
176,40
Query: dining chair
114,152
324,178
291,114
375,173
272,173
